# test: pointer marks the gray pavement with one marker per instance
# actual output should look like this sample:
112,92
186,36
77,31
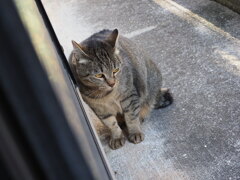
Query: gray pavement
196,45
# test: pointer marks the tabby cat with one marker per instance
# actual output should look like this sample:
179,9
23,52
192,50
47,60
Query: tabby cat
116,77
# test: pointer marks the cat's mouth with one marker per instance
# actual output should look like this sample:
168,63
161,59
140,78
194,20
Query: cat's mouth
106,89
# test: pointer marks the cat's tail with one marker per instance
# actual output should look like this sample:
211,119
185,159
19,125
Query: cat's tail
164,98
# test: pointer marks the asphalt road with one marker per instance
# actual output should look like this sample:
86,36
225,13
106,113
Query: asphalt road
196,45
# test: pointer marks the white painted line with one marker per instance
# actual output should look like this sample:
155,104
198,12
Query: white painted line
193,18
139,31
230,59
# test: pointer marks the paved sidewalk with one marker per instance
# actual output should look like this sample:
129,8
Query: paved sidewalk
196,45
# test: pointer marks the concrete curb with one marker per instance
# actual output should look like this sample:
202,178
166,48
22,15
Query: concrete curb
231,4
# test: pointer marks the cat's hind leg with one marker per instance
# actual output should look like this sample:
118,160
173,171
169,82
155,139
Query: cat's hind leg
144,111
164,98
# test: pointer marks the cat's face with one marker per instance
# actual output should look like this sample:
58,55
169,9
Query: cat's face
98,72
97,64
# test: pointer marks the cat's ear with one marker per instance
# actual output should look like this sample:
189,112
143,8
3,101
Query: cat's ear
112,38
78,46
76,58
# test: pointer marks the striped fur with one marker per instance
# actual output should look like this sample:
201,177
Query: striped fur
137,84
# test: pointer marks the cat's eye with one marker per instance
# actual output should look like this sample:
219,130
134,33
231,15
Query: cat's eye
99,75
115,70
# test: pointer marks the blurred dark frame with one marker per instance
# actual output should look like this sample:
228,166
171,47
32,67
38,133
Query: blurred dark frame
30,145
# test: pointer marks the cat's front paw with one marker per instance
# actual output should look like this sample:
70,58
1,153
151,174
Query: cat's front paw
117,143
136,137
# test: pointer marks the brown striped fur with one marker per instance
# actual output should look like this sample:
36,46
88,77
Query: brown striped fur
130,93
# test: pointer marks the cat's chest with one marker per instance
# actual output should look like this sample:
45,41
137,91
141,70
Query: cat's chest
111,105
106,105
116,105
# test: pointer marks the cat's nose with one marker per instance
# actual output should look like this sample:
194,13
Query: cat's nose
111,82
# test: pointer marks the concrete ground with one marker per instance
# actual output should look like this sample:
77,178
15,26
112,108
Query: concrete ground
196,45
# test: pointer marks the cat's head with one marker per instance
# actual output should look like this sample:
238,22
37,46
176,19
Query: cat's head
96,60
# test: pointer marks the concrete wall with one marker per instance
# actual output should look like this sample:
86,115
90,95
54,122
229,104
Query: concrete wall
232,4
